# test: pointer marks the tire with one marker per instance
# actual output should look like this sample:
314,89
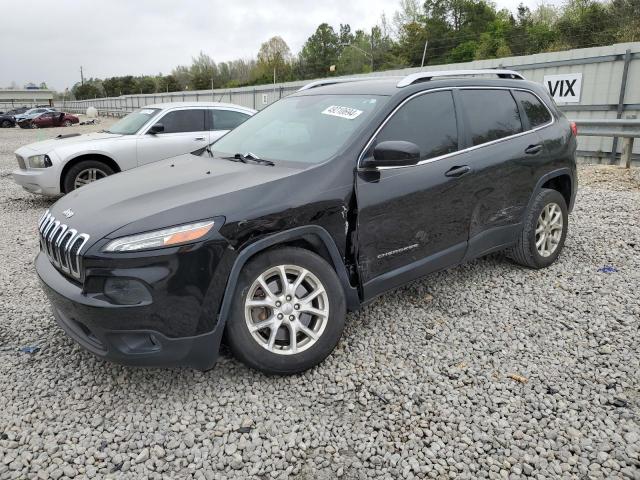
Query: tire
253,348
33,125
526,252
67,123
6,124
81,168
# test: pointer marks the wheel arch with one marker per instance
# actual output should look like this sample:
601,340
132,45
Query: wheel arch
313,238
561,180
88,156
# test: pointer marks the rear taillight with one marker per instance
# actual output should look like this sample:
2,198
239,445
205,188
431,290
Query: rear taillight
574,129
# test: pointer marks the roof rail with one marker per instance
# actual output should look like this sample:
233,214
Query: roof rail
426,76
332,81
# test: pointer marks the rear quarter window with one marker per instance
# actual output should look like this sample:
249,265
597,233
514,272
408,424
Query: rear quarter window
537,113
491,115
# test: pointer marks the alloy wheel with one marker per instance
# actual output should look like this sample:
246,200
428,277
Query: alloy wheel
87,176
286,309
549,229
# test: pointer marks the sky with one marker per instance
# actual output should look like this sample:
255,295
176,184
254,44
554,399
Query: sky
48,41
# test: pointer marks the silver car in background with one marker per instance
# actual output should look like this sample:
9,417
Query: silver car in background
152,133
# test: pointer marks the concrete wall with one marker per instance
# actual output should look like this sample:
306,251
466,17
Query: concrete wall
17,98
602,80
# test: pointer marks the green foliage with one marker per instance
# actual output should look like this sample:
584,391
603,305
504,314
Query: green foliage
91,88
320,51
274,60
454,31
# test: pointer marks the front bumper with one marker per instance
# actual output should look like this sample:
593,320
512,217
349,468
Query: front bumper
44,181
165,333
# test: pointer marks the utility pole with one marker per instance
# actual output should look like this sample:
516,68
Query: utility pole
81,76
424,53
371,50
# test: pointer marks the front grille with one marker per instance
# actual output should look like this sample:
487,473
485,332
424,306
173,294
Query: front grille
63,245
21,162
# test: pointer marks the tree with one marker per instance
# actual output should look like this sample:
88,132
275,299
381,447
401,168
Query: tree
585,23
353,58
274,59
92,88
182,76
202,72
168,83
320,51
145,85
626,14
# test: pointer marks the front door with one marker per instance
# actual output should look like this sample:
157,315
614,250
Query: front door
184,132
413,220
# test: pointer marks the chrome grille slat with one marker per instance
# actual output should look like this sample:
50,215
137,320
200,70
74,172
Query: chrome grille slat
63,245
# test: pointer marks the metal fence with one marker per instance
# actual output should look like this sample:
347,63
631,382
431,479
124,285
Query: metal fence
610,89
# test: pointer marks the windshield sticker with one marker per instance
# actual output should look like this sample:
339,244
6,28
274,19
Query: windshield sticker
146,112
342,112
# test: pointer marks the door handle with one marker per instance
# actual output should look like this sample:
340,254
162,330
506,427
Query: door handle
199,138
533,149
457,171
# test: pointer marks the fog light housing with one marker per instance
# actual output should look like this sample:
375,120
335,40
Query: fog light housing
126,291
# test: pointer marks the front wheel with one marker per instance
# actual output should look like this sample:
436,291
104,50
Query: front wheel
6,124
85,172
67,123
34,125
544,231
288,312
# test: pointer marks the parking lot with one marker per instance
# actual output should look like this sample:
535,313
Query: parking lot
484,370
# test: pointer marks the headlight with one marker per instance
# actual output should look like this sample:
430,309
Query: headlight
160,238
39,161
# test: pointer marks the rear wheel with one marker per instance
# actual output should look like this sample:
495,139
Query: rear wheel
544,231
85,172
6,124
34,125
288,312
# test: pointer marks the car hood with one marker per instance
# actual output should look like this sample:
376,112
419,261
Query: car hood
46,146
163,194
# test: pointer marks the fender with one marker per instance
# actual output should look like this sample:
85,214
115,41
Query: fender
351,293
552,174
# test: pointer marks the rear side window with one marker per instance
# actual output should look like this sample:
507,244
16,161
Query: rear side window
183,121
536,112
492,114
429,121
226,119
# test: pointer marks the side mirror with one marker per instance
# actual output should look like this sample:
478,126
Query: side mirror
393,153
157,128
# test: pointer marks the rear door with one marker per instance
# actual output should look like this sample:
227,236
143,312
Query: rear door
413,220
504,157
184,132
45,120
220,121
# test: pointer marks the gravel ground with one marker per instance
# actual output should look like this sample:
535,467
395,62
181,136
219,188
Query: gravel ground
485,370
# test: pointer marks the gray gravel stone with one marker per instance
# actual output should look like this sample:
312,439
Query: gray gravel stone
420,386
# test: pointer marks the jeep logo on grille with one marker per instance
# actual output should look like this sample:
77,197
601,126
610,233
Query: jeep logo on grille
68,213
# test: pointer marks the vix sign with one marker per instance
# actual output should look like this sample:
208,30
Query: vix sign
564,88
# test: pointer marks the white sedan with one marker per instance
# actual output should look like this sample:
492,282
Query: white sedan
152,133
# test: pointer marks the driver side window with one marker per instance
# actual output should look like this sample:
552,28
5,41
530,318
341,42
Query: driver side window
429,121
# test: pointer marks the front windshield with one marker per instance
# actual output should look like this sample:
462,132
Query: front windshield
309,128
133,122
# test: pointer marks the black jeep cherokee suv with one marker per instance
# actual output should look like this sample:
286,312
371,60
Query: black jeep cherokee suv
316,205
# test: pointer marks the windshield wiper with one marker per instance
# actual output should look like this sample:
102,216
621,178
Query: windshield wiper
250,158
